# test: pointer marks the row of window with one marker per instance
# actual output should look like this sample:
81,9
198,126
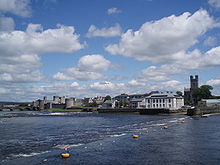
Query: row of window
158,100
160,106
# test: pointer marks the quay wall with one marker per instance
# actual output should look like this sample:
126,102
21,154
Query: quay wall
141,111
117,110
202,111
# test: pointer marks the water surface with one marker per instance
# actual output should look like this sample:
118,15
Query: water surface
92,138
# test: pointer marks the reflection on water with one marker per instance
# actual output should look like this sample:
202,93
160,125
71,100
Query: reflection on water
36,137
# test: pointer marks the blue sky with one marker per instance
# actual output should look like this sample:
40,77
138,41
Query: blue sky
88,48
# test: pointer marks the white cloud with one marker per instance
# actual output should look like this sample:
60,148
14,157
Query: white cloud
94,63
214,3
214,82
3,91
76,74
161,41
61,39
74,84
17,7
20,50
211,58
104,32
135,83
62,76
6,77
186,62
6,24
113,10
210,41
87,69
19,92
107,86
152,74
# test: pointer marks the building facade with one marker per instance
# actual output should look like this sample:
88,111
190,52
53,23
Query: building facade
162,101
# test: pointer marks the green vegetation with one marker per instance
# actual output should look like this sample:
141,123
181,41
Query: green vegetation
23,105
179,93
215,97
107,98
63,110
94,104
202,93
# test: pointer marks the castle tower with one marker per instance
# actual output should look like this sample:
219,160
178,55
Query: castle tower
194,82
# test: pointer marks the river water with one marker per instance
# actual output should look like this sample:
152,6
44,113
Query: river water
32,138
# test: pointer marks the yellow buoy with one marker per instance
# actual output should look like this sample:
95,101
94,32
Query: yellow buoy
165,127
65,155
135,136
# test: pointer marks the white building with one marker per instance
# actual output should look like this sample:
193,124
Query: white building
162,101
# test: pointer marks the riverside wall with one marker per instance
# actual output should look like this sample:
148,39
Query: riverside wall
117,110
141,111
201,111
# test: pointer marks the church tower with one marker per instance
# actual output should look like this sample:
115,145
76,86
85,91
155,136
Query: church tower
194,82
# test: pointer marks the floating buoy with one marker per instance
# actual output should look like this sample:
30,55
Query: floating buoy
165,127
135,136
65,155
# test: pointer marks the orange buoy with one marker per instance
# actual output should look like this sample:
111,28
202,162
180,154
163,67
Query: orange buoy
65,155
135,136
165,127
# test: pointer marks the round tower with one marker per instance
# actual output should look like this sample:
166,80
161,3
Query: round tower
41,104
69,103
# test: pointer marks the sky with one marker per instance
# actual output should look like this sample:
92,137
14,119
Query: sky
88,48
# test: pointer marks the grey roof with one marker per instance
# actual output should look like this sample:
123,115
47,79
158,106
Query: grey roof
137,100
162,95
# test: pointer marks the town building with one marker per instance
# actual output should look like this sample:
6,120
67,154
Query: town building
128,98
98,99
57,102
87,100
109,104
162,100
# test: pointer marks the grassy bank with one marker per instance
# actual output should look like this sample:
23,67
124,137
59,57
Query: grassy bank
63,110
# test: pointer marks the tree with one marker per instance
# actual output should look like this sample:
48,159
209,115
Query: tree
202,93
108,98
205,90
23,104
179,93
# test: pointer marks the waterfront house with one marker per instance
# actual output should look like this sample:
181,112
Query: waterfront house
134,102
109,104
166,100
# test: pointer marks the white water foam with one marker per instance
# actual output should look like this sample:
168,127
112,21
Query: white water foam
62,146
56,113
117,135
29,155
177,120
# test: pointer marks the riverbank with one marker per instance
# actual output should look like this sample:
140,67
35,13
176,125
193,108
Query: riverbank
61,110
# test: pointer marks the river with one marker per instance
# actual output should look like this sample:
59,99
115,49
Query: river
32,138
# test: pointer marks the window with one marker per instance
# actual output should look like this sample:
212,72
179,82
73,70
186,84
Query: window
169,100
